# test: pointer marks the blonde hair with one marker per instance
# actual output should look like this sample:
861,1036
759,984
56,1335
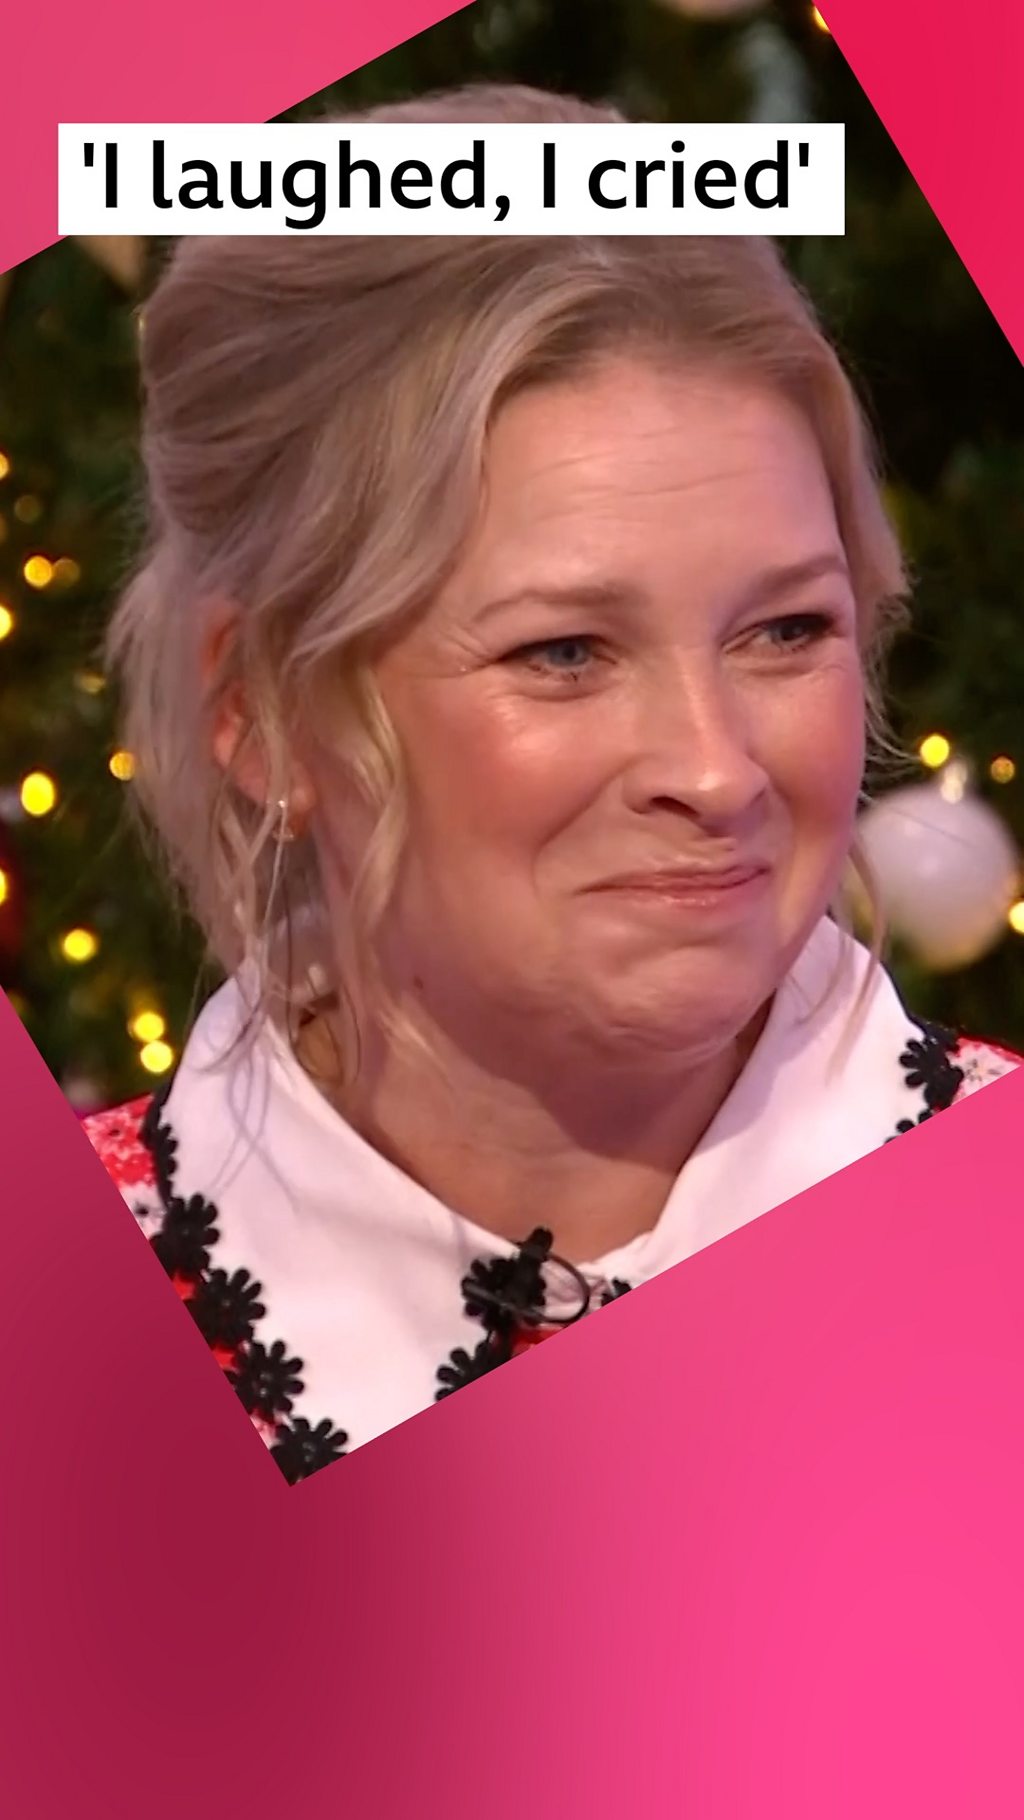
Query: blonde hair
315,425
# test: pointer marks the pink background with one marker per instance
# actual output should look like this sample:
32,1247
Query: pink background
110,60
747,1544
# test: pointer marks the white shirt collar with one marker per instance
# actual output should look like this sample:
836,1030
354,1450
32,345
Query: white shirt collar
361,1267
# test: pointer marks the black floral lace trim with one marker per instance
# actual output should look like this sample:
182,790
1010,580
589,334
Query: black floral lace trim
508,1296
926,1063
226,1308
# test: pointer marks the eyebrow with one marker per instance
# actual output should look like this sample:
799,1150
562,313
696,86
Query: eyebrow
774,584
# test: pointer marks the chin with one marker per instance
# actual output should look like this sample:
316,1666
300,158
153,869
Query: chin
690,1018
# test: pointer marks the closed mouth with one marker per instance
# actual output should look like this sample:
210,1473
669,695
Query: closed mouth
684,881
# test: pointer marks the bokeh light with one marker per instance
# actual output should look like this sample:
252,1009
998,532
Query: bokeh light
122,766
79,945
38,571
934,750
147,1026
38,793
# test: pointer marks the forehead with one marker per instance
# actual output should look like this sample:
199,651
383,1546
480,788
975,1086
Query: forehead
655,473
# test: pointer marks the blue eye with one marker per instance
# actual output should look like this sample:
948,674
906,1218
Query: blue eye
795,631
561,655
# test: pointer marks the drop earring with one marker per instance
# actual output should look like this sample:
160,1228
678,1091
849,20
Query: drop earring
283,836
285,831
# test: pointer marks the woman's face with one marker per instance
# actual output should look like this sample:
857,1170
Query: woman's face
633,720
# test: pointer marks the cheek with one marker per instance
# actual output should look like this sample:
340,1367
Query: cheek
812,746
491,772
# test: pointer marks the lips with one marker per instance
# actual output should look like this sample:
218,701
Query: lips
685,880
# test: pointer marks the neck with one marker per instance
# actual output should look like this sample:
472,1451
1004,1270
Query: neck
591,1151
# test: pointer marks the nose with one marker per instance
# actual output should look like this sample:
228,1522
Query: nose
694,747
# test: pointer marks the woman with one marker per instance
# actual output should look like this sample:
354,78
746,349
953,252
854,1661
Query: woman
498,682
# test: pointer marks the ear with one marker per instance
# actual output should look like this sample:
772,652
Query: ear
234,743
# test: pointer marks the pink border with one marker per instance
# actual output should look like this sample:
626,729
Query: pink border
111,61
746,1545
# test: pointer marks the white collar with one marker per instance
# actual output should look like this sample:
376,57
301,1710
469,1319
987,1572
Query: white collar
361,1267
244,1115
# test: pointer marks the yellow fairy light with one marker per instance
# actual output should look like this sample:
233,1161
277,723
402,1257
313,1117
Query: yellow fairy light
122,766
156,1057
1016,916
5,465
79,945
147,1027
819,21
6,622
66,572
1002,770
28,509
38,571
934,750
90,682
38,793
5,887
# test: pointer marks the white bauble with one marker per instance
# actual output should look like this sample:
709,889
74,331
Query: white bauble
946,868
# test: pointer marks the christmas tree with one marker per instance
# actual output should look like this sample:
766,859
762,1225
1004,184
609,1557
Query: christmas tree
104,970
